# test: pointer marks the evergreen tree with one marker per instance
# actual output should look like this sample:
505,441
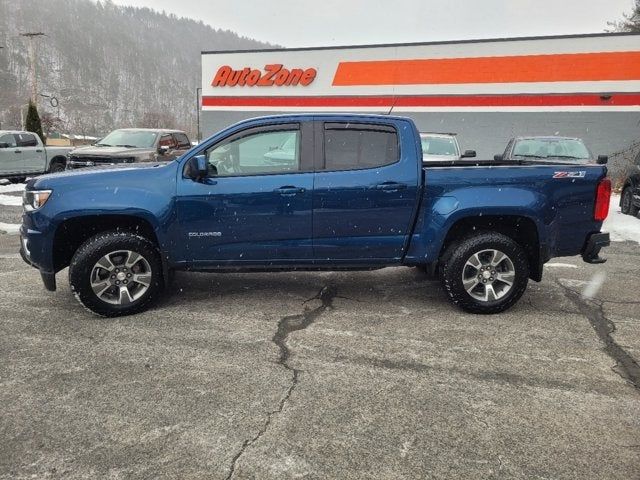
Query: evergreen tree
33,121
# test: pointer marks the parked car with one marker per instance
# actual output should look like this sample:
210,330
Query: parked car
131,145
23,154
630,197
356,196
437,147
565,149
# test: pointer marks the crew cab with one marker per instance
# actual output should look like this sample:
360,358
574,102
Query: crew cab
131,145
23,154
354,196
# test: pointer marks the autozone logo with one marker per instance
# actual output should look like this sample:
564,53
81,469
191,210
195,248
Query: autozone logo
273,74
579,174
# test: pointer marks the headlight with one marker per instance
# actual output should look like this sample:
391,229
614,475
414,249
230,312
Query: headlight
34,199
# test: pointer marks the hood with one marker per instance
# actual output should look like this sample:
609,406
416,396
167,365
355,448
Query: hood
105,175
110,151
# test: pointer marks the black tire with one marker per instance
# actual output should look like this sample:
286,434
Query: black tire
627,202
454,265
18,179
82,270
57,166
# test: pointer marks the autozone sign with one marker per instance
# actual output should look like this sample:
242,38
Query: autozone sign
274,74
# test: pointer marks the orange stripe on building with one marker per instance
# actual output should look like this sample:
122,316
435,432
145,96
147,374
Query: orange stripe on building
567,67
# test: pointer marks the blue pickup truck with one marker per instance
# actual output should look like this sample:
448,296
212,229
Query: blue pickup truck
312,192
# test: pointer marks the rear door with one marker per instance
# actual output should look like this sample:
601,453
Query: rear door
32,154
365,191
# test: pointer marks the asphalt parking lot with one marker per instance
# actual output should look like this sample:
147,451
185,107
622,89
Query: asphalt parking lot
323,375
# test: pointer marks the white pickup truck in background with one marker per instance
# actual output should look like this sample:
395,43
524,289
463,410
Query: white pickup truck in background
23,154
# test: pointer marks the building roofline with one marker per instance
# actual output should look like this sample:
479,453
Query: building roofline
439,42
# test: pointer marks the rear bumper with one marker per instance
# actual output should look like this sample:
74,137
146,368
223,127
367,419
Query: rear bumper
595,242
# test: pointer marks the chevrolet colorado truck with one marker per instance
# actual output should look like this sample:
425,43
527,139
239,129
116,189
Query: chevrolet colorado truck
23,154
354,195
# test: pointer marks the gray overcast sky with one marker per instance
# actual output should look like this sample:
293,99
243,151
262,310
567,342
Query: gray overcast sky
296,23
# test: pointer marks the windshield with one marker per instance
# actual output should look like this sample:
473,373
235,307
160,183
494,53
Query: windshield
432,145
129,138
551,148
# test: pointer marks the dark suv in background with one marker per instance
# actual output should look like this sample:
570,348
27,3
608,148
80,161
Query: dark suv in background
131,145
630,198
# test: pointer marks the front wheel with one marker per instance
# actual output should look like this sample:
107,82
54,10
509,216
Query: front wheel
485,273
116,273
57,167
627,202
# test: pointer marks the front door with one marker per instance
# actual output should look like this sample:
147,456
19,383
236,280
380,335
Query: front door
8,156
255,206
365,192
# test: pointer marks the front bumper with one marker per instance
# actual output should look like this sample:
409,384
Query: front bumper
595,242
29,243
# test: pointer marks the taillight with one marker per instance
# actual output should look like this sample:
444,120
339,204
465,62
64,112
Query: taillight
603,196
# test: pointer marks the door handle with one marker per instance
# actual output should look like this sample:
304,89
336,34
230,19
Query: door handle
391,186
289,190
39,151
17,151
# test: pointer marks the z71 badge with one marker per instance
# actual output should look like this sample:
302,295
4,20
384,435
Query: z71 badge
578,174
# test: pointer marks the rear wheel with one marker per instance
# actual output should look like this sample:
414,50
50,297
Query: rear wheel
18,179
116,273
627,202
485,273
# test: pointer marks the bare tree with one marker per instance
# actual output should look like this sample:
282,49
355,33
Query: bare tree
630,21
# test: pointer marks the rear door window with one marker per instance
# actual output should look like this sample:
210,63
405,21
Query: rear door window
349,146
26,140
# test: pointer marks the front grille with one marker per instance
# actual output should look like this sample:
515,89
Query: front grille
79,161
95,159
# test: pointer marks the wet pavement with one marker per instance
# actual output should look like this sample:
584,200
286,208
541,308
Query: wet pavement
324,375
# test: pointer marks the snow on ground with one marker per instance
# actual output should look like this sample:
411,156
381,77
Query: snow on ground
12,187
10,200
621,227
9,228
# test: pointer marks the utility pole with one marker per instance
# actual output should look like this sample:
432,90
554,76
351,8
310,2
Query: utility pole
32,63
198,90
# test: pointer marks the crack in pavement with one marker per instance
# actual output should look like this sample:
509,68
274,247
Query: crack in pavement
287,325
626,366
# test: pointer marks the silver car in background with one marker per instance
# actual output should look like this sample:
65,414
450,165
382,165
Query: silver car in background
438,147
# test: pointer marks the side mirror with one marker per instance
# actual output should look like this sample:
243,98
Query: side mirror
469,154
4,145
498,158
602,159
163,149
197,168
